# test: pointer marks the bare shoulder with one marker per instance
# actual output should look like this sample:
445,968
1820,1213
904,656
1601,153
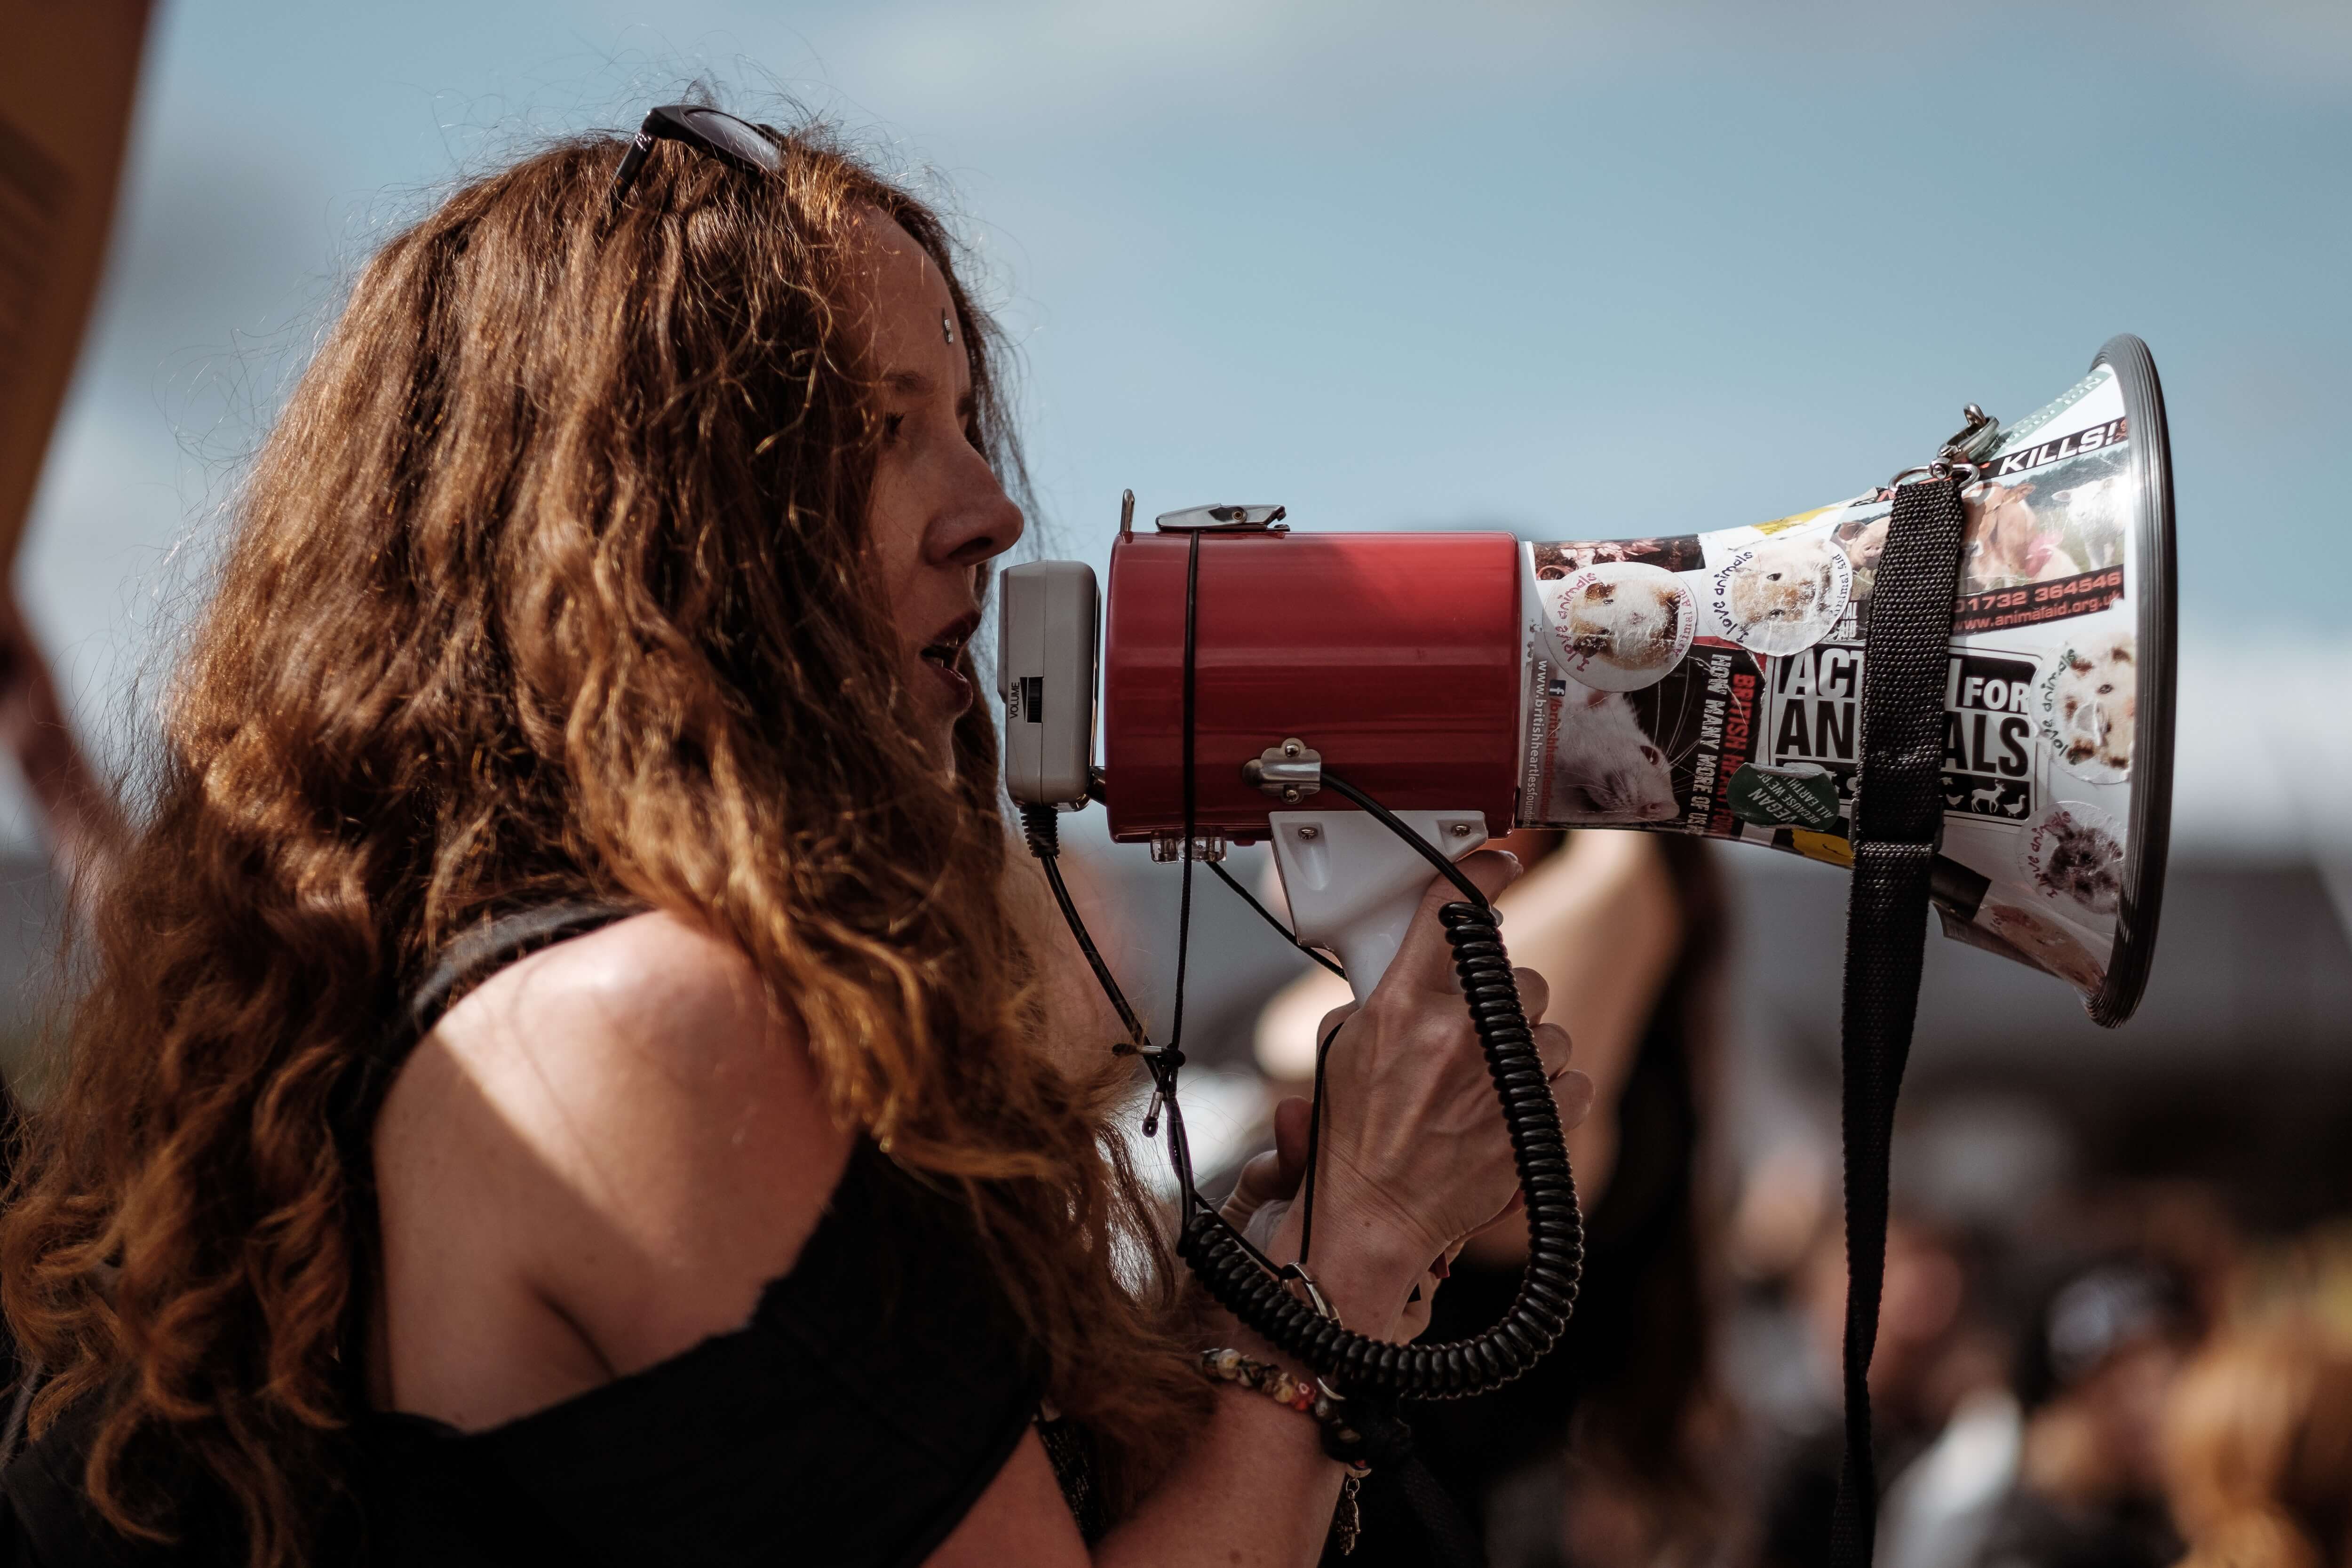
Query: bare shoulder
623,1128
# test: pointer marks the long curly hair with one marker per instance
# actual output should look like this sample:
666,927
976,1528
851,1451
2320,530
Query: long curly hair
547,584
2257,1446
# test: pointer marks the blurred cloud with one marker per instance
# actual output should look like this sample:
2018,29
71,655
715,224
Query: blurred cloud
1220,58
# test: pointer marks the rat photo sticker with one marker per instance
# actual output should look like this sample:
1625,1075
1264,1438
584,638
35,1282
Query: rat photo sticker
1665,752
1783,595
1619,625
1599,764
2090,707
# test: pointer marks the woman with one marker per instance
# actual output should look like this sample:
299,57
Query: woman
614,569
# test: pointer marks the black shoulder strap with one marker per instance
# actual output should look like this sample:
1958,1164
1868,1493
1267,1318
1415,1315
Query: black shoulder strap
486,949
1898,822
467,961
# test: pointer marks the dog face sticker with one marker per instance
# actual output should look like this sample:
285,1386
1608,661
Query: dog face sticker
2090,707
1619,625
1783,595
2074,857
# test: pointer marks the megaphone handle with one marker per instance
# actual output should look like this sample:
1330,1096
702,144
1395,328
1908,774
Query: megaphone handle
1353,885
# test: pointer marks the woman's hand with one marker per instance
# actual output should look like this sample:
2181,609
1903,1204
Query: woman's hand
1412,1158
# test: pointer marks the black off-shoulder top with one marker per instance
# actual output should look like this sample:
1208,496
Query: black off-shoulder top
875,1392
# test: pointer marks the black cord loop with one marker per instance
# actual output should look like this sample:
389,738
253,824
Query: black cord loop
1539,1315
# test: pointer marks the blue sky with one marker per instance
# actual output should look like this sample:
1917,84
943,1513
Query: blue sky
1577,271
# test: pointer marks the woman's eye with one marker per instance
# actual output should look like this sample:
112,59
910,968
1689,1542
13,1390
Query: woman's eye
891,425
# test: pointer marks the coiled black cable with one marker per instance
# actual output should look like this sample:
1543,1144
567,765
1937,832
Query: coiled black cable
1538,1316
1243,1281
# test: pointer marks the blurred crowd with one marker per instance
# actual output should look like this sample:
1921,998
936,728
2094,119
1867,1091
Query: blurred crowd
2075,1369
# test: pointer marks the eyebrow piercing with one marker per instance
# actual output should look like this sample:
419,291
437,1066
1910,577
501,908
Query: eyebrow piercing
947,326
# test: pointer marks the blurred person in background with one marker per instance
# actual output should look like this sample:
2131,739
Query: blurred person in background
2093,1377
2257,1449
77,811
1612,1453
1947,1429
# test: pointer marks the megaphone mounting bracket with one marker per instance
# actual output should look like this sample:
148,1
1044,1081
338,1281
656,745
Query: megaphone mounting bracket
1289,772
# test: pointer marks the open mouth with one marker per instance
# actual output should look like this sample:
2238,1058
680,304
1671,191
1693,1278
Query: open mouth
946,650
944,653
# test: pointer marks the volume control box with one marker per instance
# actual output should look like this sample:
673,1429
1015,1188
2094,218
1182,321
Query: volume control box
1048,612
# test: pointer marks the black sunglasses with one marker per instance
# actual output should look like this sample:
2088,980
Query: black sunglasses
738,143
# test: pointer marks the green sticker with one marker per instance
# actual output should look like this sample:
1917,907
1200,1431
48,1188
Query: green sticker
1802,795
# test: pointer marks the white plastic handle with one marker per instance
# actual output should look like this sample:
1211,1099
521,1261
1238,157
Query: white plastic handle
1353,885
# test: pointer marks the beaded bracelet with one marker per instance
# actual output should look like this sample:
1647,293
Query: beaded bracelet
1339,1441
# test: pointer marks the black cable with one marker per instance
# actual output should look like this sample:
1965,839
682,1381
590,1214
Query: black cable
1043,826
1267,915
1422,847
1314,1147
1042,829
1165,1066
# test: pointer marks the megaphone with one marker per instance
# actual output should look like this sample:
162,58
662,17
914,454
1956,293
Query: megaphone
1719,683
1704,683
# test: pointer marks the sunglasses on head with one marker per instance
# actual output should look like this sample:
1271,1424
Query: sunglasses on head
738,143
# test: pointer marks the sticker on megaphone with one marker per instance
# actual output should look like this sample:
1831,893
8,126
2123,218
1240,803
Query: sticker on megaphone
1747,726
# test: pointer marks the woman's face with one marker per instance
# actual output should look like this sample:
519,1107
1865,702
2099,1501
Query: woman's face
938,515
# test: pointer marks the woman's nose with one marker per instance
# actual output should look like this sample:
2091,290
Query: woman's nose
980,522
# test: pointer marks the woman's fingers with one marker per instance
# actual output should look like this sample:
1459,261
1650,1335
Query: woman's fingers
1554,1046
1573,1092
1259,1184
1535,994
1425,961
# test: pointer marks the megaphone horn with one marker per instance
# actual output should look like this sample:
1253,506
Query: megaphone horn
1699,683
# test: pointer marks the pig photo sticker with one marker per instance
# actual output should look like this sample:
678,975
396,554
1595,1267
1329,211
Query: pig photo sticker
2090,707
1783,595
1619,625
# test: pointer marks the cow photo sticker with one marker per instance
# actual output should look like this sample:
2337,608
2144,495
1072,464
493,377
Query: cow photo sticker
1619,625
2090,705
1783,595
